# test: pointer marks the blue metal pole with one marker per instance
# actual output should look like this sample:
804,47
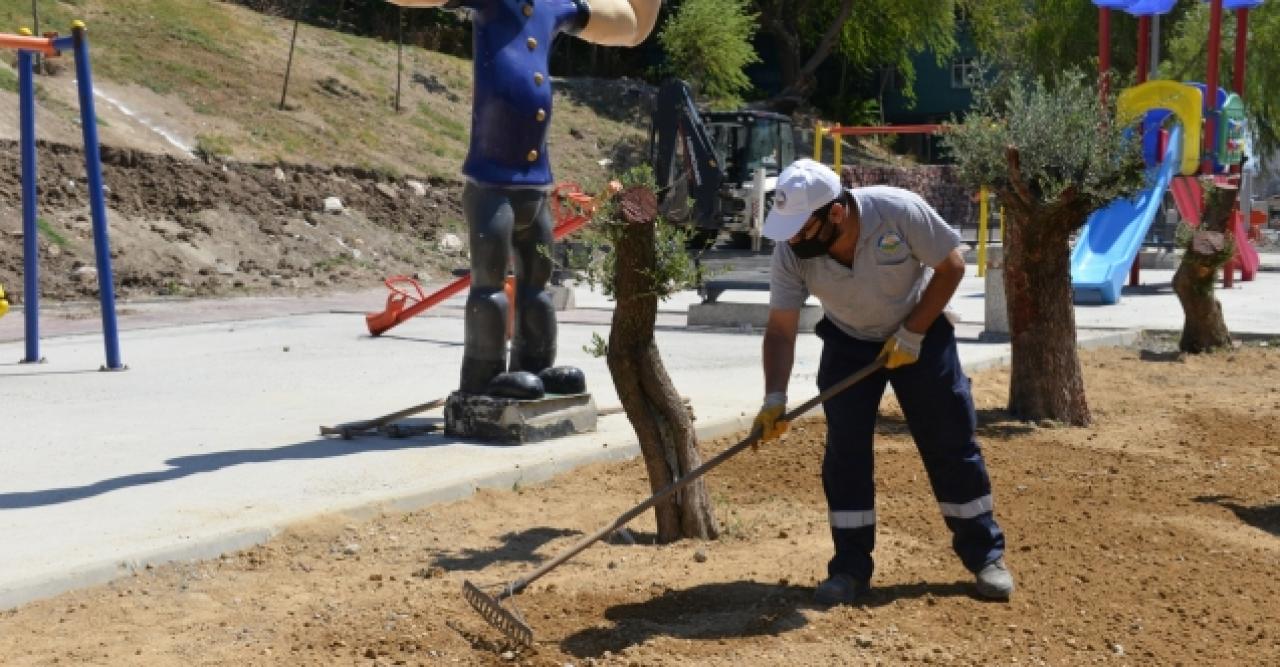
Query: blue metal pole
97,206
30,232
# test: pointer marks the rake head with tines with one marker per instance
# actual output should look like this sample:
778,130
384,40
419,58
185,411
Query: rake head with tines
508,621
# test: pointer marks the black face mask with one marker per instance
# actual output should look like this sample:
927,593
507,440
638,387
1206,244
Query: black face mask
814,246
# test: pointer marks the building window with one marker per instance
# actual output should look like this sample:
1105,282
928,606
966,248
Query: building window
964,72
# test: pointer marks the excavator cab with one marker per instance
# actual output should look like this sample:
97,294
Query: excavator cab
705,163
751,140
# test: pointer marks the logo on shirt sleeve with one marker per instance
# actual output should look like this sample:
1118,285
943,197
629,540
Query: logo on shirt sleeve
889,243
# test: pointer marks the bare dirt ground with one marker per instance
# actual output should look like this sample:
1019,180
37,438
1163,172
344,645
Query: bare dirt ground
1151,538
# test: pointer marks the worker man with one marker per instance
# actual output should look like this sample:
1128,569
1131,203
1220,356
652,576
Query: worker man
508,177
884,265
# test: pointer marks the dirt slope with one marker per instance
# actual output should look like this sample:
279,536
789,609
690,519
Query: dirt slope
1152,538
184,227
172,77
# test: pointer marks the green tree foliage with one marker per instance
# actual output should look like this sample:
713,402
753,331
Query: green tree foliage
870,34
674,269
1064,141
708,43
1061,34
1187,59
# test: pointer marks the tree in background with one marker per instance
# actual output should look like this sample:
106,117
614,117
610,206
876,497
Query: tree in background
1187,59
1206,249
708,43
870,34
1062,34
1052,155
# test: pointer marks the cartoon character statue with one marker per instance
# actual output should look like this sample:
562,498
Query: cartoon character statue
508,178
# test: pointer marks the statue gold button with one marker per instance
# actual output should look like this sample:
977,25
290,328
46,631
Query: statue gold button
537,78
528,10
533,43
532,156
542,115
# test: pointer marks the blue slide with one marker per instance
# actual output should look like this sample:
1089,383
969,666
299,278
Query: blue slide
1111,238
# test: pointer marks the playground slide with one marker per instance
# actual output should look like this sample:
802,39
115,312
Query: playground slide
1111,238
1247,259
1189,198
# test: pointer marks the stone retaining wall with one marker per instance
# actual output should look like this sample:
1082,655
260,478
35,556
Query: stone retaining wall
938,184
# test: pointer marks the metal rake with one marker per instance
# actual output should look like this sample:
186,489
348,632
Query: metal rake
512,624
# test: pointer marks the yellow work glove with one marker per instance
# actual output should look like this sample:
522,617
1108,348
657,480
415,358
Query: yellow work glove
4,303
769,420
902,349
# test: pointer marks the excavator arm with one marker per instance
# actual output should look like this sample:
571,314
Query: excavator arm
681,149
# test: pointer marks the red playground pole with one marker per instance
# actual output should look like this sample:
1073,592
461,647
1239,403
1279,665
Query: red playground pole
1104,49
1237,85
1144,47
1211,92
1242,39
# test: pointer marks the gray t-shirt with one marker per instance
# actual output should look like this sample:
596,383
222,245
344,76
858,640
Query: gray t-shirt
901,238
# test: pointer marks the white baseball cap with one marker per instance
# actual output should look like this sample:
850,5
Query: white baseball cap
803,187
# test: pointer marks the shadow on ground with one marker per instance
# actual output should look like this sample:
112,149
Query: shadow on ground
726,610
992,423
1262,517
185,466
1161,356
1147,289
520,547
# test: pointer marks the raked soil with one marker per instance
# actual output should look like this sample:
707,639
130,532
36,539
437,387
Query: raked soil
1150,538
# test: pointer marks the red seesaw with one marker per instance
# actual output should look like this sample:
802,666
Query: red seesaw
572,210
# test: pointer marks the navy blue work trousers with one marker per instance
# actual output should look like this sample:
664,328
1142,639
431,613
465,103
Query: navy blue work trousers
937,402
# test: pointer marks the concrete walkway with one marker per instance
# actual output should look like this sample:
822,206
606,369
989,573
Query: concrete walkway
208,443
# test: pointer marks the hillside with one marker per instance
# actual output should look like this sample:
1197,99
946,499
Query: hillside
180,78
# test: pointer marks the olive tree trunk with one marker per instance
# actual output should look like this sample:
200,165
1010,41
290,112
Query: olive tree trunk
663,425
1046,381
1210,247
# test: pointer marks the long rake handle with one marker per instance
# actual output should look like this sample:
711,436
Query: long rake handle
355,427
523,582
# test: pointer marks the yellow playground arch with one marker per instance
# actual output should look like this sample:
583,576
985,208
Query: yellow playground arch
1184,101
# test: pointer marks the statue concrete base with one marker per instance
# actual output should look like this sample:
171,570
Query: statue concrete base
511,421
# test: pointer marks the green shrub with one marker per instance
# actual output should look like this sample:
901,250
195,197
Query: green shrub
708,43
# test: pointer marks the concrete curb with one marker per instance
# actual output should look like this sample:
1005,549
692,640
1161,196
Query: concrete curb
116,568
1243,336
405,500
1113,338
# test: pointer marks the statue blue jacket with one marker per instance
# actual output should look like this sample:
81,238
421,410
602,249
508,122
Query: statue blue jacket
511,108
